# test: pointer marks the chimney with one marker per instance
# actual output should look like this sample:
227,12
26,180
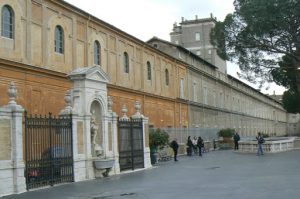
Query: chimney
211,15
196,16
182,19
274,92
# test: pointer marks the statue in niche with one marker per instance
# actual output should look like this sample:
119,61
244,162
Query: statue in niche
96,148
94,130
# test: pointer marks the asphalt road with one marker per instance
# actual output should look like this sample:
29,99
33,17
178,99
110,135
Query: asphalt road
217,175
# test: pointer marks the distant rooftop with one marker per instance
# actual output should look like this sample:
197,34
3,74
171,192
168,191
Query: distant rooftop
276,97
197,20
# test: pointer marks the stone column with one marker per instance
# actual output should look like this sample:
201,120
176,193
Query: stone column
11,146
138,115
80,126
112,150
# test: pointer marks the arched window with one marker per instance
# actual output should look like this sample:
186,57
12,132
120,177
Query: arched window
149,71
126,62
97,53
59,40
167,77
7,22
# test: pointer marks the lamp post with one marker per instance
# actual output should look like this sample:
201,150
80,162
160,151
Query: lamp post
298,79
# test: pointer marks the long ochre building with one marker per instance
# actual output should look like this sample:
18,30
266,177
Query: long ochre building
42,41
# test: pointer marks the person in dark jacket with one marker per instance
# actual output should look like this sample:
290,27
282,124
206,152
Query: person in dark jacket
200,144
189,146
236,139
175,146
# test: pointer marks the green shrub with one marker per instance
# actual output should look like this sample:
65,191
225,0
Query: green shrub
265,135
158,138
228,132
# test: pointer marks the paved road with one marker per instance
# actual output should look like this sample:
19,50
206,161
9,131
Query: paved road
217,175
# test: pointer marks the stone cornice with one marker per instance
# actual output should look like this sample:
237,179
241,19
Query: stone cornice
146,94
224,110
13,65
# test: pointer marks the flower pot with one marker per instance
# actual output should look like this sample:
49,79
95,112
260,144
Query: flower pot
227,139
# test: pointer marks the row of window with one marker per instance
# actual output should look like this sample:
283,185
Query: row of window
198,52
197,37
7,30
149,70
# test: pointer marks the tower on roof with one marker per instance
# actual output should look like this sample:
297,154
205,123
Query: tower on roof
194,35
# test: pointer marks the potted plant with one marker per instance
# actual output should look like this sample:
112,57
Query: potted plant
265,135
157,138
226,134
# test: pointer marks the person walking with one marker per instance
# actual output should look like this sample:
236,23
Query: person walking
189,146
260,141
200,144
236,139
175,146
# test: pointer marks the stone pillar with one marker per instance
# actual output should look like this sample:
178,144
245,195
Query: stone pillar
137,115
12,178
80,127
111,138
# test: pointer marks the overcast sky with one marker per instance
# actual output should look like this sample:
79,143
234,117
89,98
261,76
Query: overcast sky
147,18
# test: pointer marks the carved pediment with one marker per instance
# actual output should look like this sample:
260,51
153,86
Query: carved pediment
94,73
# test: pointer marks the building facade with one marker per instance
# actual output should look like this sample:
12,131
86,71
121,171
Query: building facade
194,35
48,47
44,41
217,100
49,39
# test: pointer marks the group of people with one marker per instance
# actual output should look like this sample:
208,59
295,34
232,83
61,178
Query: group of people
197,144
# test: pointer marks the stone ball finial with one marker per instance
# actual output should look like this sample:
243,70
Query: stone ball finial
68,98
68,101
137,106
12,93
124,111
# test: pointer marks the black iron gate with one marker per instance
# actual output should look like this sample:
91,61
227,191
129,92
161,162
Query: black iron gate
131,145
49,150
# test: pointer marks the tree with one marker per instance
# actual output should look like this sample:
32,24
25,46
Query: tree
291,101
228,132
263,38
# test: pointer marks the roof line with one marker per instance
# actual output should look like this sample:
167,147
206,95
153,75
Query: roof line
184,49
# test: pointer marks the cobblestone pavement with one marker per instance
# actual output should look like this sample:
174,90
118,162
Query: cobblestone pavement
217,175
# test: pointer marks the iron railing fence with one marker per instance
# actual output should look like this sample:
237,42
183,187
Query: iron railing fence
49,150
131,148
